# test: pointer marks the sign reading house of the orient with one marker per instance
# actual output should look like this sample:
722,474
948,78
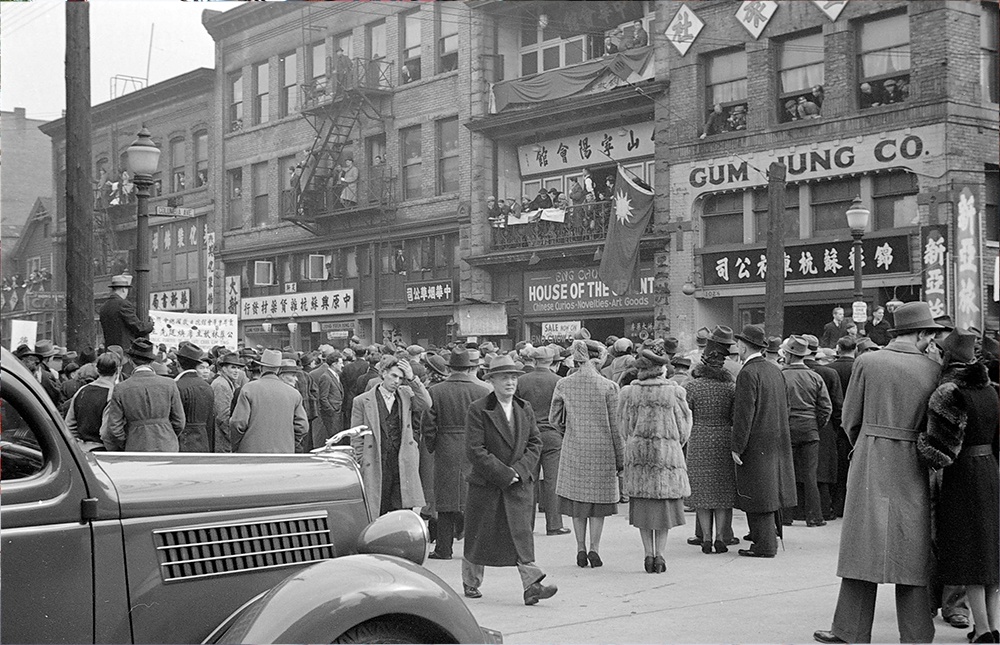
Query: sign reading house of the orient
578,291
317,303
580,150
879,256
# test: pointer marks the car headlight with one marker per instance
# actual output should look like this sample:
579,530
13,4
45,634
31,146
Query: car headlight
399,533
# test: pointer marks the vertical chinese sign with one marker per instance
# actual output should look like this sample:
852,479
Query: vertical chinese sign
968,281
934,246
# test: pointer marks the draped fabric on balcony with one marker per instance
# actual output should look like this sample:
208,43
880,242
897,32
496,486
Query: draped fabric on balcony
559,83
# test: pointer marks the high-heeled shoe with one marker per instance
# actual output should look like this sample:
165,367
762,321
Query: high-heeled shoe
647,564
706,547
595,560
581,559
985,637
659,564
720,547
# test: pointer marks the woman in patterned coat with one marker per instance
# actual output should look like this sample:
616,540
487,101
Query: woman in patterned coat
584,408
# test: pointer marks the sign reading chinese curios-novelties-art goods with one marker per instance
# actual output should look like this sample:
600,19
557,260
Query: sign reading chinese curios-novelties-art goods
429,292
580,150
684,29
880,256
580,291
968,279
934,252
204,330
317,303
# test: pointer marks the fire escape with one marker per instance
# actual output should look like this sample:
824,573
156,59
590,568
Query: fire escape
319,198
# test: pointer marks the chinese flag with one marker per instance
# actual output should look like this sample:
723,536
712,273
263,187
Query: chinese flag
631,208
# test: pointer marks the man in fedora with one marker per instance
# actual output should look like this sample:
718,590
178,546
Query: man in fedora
443,429
145,413
230,369
762,447
269,416
198,400
886,536
118,320
37,361
536,388
330,393
503,446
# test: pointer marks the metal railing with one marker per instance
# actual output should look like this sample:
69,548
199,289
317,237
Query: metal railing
586,222
374,191
364,74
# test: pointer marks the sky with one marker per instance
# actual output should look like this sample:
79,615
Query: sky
33,46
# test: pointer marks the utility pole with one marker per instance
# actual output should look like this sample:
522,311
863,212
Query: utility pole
80,331
774,289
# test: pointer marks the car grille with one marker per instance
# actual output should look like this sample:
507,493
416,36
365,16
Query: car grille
220,549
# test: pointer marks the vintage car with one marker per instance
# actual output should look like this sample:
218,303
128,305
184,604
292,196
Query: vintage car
103,547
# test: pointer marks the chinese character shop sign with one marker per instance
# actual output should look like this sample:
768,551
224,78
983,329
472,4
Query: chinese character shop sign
968,284
579,150
173,300
934,247
430,292
879,256
684,29
318,303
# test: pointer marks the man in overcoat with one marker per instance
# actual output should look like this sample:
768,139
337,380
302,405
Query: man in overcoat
444,435
224,387
389,455
145,412
119,322
886,536
827,467
762,445
503,447
198,400
330,391
269,416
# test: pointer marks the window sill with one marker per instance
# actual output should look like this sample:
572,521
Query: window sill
425,81
294,116
421,201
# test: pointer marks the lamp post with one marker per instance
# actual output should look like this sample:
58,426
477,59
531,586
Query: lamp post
857,219
142,161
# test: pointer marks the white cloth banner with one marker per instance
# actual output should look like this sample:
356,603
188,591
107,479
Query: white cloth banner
23,332
553,215
204,330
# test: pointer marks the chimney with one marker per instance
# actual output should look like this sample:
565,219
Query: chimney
19,114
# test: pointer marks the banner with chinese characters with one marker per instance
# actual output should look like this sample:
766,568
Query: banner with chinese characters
210,272
429,292
172,300
317,303
204,330
23,332
580,291
934,248
578,151
684,29
968,281
232,296
879,256
755,14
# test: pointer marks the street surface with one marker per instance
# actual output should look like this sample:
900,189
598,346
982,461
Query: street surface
718,598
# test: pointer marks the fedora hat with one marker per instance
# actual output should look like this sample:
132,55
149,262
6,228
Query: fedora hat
270,358
44,349
945,321
623,345
866,345
702,335
773,344
753,335
960,345
503,365
796,346
123,280
653,357
437,364
159,368
581,334
191,352
141,348
722,335
670,345
680,361
488,348
231,359
288,366
461,358
914,316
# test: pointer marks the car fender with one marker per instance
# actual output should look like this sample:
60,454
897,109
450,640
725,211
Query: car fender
322,601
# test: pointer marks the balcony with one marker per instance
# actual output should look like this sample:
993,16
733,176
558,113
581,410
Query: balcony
367,75
581,223
375,193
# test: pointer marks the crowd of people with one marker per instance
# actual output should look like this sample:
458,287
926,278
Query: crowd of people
899,440
582,190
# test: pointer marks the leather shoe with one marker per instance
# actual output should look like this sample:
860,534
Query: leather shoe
647,564
746,537
434,555
706,547
733,541
659,564
959,621
824,636
537,591
581,559
750,553
562,531
693,541
472,592
816,523
595,559
720,547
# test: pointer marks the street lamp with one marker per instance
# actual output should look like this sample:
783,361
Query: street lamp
142,160
857,219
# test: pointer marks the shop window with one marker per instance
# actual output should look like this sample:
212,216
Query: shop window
263,273
410,69
447,141
288,102
884,61
760,209
722,219
726,93
261,104
316,267
236,101
989,25
800,78
829,202
410,145
895,201
259,180
200,158
176,165
180,267
447,39
991,209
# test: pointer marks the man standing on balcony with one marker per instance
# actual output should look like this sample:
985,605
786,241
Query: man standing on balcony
119,323
349,179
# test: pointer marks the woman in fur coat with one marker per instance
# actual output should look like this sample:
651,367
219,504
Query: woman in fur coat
962,438
656,421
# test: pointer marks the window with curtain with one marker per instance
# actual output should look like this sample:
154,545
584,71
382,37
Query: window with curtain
410,145
829,201
884,61
800,78
236,101
726,92
447,38
722,219
760,209
259,179
261,104
177,165
992,205
895,201
200,158
345,42
410,70
545,48
989,25
288,69
447,156
376,40
285,167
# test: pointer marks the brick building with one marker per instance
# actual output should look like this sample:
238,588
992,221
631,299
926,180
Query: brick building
29,277
892,101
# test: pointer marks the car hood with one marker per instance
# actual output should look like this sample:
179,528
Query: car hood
157,483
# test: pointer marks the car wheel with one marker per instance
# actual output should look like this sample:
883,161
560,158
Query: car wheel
381,631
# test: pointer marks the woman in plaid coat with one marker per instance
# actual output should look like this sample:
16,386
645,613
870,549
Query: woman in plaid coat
584,407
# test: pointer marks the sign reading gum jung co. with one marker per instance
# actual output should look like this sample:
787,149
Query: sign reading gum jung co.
581,291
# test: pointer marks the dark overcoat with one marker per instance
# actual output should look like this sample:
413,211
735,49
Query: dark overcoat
331,400
826,469
120,324
766,480
498,519
198,400
536,387
443,429
144,414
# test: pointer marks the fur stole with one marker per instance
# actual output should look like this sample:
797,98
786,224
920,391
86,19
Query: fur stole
713,373
941,442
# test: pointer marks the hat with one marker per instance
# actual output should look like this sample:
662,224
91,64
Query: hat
270,358
191,352
475,356
23,351
680,361
914,316
866,344
141,348
945,321
825,354
488,348
773,344
796,346
231,359
622,345
70,367
461,358
812,341
437,364
44,349
581,334
503,365
325,349
701,336
722,335
60,352
656,359
670,345
123,280
415,350
159,369
753,335
990,347
288,366
961,345
71,357
543,354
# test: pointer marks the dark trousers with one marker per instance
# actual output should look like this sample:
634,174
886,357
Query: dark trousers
727,527
852,621
826,500
448,524
843,462
549,467
763,532
806,458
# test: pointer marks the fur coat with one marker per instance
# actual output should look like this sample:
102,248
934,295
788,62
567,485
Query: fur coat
941,442
656,421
